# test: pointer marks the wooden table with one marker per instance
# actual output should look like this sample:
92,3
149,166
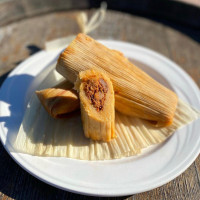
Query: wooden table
22,38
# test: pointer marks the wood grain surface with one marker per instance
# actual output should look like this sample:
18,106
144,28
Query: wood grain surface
21,39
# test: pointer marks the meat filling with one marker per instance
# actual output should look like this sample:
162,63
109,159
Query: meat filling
96,90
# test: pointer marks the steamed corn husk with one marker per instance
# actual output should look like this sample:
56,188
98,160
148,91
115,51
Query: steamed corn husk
59,100
137,94
98,122
42,135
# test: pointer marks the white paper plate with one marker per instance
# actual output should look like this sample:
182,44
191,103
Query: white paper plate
155,167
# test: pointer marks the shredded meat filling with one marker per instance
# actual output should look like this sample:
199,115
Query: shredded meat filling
96,90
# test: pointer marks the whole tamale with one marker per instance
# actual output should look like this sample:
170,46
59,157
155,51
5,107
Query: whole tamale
59,100
97,105
137,94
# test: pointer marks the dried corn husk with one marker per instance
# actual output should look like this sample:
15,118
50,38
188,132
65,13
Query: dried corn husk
43,135
137,94
97,105
59,100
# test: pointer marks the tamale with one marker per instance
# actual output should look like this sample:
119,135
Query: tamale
137,94
59,100
42,135
97,105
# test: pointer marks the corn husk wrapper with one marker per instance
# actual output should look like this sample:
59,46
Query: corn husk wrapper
136,93
41,135
59,100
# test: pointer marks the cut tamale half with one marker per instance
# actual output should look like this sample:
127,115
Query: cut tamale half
97,105
59,100
137,94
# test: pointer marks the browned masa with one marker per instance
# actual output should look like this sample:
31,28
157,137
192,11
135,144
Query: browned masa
15,183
